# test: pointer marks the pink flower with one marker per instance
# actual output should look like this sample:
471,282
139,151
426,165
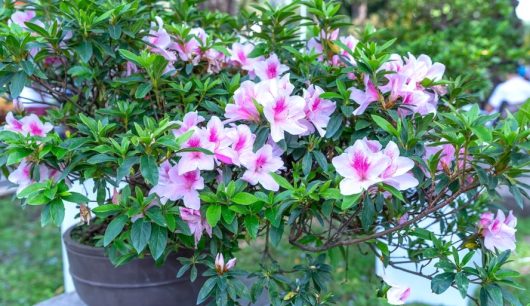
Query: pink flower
174,186
243,107
220,266
317,110
284,112
22,175
397,295
364,98
397,173
189,121
404,218
242,141
498,232
239,55
270,68
259,167
13,124
160,40
194,160
21,17
447,155
195,222
360,166
34,127
215,134
130,68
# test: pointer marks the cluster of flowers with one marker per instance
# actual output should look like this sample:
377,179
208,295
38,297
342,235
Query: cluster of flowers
498,231
284,112
404,86
29,125
230,145
366,163
190,49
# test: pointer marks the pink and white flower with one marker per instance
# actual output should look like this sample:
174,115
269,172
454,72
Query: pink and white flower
21,17
196,160
13,124
22,175
174,186
270,68
220,266
215,135
397,173
364,98
242,141
190,121
397,295
34,127
160,40
284,112
498,231
196,223
317,110
243,107
239,54
361,167
259,166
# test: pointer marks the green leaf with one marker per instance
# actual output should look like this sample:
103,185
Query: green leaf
349,201
140,234
483,133
307,162
213,215
35,187
56,211
84,49
491,295
142,90
206,289
114,229
149,169
252,225
128,55
17,84
334,125
321,160
104,210
76,197
100,159
157,241
125,167
385,125
244,198
441,282
367,214
17,155
462,283
282,181
396,193
155,214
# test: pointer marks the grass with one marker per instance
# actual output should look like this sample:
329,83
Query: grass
31,271
30,256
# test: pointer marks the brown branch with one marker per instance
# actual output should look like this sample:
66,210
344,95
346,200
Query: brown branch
420,216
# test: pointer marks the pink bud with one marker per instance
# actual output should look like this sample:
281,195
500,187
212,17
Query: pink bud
230,264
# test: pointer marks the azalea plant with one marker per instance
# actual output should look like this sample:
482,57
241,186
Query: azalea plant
199,130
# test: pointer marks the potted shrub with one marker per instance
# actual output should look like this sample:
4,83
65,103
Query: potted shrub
200,130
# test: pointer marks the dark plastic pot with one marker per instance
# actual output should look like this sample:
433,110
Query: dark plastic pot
137,283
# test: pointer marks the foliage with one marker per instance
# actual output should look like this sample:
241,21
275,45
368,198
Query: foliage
131,97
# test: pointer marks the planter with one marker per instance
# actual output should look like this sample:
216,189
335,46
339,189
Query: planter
137,283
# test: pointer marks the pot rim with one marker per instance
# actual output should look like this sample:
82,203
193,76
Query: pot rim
75,246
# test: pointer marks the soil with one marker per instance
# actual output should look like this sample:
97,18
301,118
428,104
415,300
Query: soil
89,234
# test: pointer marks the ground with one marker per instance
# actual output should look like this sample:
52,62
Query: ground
30,262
